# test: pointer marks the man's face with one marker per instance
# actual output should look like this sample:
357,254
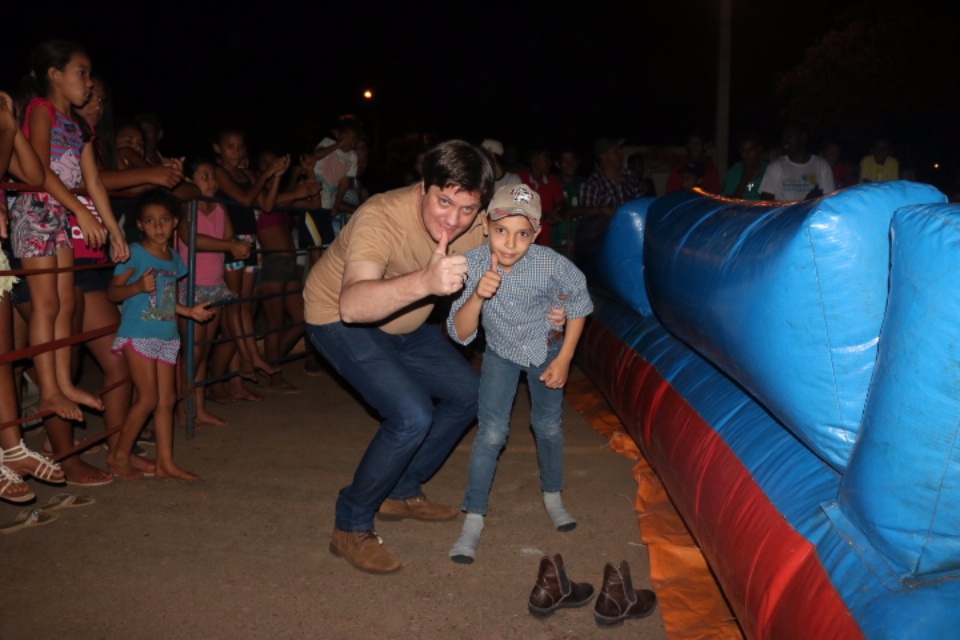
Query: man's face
612,157
451,210
749,152
540,163
794,141
881,151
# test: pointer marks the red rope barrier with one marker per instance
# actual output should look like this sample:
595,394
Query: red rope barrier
29,352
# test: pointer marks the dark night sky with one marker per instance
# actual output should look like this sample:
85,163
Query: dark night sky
522,72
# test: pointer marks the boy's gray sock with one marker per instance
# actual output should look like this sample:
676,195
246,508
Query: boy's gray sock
464,550
558,513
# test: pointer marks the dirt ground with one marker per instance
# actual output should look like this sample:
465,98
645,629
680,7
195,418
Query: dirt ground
243,553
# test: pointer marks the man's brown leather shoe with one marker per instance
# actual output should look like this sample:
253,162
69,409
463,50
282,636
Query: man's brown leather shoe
554,590
364,550
418,508
618,600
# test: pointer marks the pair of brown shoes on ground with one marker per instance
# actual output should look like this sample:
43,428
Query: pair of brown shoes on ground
365,550
617,601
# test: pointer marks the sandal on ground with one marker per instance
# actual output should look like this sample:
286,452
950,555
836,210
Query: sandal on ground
94,478
10,479
45,468
29,517
68,501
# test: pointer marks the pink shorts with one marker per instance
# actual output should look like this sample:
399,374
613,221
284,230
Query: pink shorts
40,226
164,351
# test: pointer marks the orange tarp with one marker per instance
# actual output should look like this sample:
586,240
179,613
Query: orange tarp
692,605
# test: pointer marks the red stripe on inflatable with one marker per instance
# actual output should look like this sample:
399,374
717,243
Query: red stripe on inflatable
768,571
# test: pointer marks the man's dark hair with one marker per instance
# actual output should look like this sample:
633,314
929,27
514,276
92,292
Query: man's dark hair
459,164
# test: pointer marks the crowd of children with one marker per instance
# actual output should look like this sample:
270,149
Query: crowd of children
58,141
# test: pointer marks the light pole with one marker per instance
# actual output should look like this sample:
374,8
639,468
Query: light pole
723,88
368,97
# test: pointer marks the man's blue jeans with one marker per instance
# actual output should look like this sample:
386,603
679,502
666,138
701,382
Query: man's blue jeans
401,377
498,387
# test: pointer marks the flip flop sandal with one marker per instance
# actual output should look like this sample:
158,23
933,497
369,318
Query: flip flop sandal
44,469
93,479
29,517
10,478
68,501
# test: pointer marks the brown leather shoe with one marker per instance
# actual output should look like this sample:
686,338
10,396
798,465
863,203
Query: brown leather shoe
618,600
555,591
418,508
364,550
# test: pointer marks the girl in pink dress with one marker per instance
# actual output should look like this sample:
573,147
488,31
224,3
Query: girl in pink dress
214,237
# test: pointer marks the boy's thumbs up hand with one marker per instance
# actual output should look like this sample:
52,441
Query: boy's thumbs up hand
490,281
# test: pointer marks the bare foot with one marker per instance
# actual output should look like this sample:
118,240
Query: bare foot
124,471
173,471
247,395
205,417
221,397
146,466
62,406
82,397
12,488
79,472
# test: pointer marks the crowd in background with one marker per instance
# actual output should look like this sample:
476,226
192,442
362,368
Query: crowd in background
87,176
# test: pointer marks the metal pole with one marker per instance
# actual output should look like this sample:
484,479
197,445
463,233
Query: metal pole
723,88
190,400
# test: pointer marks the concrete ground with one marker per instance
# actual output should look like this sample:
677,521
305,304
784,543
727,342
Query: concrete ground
243,553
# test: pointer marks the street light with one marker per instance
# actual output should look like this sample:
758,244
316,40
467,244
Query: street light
368,97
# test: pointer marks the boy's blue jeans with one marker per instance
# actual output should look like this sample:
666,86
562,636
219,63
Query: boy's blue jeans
400,376
498,387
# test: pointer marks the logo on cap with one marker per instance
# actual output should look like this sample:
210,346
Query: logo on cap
521,195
